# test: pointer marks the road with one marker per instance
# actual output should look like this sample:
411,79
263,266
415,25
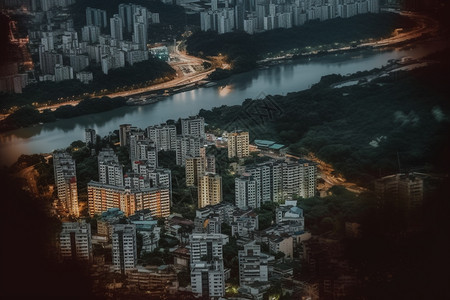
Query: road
329,176
186,67
425,25
186,74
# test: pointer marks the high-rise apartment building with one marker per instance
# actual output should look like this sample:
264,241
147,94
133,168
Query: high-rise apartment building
116,27
63,72
238,144
124,247
79,62
405,188
193,126
75,241
209,190
210,164
48,61
164,136
96,17
253,265
102,197
281,180
188,146
140,27
90,136
90,34
246,192
66,182
110,171
207,270
124,129
126,13
195,168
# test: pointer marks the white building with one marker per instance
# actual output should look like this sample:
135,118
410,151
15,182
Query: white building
85,77
164,136
207,271
187,146
66,182
63,73
246,192
116,27
124,248
253,265
193,126
75,241
90,136
110,171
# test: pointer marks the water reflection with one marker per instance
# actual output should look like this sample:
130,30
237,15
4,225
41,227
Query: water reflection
279,79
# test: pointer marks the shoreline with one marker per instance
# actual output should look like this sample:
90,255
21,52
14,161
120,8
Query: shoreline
153,94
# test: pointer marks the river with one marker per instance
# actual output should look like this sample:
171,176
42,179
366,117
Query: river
278,79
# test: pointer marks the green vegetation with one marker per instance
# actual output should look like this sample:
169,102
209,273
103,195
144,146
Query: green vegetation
363,130
223,169
48,92
243,50
184,199
28,115
328,215
266,214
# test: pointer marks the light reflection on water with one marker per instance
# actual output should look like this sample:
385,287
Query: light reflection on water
277,79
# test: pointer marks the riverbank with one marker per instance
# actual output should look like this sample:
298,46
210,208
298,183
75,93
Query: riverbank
364,129
279,79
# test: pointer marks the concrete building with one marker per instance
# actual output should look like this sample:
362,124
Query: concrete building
289,212
209,190
79,62
124,130
147,227
281,180
238,144
48,61
406,189
63,73
164,136
66,182
140,27
107,219
109,169
101,197
113,60
244,223
124,248
284,244
195,168
10,79
75,241
210,164
159,281
253,265
187,146
207,270
90,136
116,27
246,192
126,13
96,17
90,34
193,126
85,77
